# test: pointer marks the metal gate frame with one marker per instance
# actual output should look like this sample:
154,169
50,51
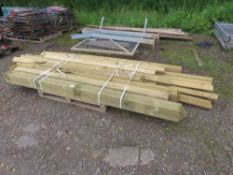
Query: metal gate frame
114,37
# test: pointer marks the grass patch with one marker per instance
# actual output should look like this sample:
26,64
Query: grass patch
181,54
162,6
222,73
131,18
198,20
194,16
65,39
175,54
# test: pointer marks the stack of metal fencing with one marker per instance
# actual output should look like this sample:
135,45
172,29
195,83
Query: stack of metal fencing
62,18
4,26
114,42
224,33
30,25
34,23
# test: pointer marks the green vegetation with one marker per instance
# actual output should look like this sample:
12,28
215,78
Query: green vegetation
65,39
158,5
193,16
176,52
195,21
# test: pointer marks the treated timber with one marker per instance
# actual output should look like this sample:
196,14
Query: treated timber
149,30
177,81
206,95
146,105
77,65
170,86
181,82
84,66
94,58
163,33
148,89
158,78
72,66
95,82
195,77
196,101
173,92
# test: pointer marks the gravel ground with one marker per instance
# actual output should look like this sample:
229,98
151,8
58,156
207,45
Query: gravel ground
44,137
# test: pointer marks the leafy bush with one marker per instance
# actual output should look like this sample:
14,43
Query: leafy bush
158,5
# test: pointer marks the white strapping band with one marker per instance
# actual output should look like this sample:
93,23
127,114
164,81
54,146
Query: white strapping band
115,72
105,84
38,80
131,75
35,80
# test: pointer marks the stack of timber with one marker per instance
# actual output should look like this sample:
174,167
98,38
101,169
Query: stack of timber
164,33
152,89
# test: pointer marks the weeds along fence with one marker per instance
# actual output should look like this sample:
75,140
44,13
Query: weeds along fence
158,5
197,16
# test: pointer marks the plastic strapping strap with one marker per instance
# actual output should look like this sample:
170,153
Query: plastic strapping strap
38,80
115,72
43,78
35,80
131,75
57,68
118,66
44,75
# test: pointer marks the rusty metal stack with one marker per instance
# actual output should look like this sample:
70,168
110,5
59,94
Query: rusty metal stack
30,25
33,23
62,18
4,26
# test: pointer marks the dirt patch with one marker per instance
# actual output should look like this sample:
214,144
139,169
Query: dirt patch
48,137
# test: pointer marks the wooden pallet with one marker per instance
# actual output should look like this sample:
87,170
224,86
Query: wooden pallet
39,40
100,108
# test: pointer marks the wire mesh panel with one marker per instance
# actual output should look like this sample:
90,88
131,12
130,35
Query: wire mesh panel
105,46
113,42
